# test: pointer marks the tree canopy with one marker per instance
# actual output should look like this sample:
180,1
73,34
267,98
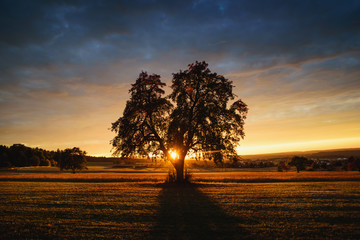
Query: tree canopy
19,155
194,117
299,163
72,159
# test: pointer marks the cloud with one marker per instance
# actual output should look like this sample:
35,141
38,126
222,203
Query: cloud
69,59
257,34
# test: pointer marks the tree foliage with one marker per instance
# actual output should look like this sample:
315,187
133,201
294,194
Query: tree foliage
353,163
195,117
19,155
71,159
299,163
142,129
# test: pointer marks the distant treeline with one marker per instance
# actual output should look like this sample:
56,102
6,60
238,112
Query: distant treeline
345,164
351,163
321,154
19,155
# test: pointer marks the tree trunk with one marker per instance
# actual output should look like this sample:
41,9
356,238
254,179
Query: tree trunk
179,167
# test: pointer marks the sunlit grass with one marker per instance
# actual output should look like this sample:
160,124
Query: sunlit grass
199,177
217,206
76,210
293,210
276,176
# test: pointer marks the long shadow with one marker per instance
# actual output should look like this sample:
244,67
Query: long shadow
186,213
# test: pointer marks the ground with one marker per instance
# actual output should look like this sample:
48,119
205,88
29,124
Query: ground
316,205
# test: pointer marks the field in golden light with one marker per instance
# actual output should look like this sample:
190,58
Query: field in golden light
197,177
240,205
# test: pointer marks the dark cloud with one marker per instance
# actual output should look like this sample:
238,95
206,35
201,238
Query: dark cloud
270,32
56,49
85,39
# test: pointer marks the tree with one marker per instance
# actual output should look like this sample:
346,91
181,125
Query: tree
282,166
18,154
299,163
4,157
353,163
71,158
195,117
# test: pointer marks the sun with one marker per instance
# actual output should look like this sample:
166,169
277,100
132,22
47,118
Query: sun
173,154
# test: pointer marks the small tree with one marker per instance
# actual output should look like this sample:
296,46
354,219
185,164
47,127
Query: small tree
353,163
194,117
71,159
298,162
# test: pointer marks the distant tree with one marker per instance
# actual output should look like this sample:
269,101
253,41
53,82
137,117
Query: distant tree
353,164
71,159
298,162
42,156
194,117
314,165
34,160
234,161
57,157
282,166
19,155
4,157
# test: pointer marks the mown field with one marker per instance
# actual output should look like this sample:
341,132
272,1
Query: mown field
217,206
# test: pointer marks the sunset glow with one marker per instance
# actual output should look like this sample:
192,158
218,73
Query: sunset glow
67,68
173,154
300,146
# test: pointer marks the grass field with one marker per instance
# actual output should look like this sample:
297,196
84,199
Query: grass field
124,175
218,206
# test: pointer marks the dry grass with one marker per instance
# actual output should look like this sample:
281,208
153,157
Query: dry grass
276,176
197,176
53,210
84,177
297,210
217,206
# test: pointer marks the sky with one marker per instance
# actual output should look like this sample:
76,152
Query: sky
66,67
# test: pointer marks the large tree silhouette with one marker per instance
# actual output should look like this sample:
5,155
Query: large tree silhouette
195,117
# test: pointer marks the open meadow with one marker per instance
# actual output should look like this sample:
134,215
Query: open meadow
228,205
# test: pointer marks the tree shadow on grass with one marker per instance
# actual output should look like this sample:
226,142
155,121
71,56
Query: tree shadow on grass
187,213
